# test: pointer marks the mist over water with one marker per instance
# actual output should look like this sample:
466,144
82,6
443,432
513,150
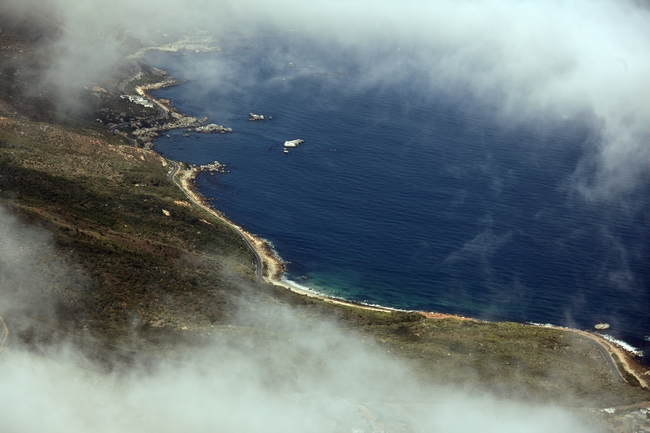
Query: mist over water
413,197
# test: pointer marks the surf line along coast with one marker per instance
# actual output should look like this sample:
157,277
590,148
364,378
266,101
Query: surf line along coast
267,260
270,267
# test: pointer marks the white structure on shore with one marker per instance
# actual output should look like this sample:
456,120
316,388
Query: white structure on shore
138,100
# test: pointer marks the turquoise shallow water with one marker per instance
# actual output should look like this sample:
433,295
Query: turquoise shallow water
412,198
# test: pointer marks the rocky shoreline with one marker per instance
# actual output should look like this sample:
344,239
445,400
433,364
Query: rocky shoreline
275,267
147,130
215,167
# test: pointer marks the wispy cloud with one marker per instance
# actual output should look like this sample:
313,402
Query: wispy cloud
530,59
290,376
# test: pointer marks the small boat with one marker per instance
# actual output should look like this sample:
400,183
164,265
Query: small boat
601,326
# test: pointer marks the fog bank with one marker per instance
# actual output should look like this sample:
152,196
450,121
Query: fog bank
289,378
229,393
529,59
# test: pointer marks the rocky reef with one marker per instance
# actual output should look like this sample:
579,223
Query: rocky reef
190,124
213,167
212,128
151,132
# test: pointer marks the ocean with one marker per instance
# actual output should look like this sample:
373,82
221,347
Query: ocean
412,196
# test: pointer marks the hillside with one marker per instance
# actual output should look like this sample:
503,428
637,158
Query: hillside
122,265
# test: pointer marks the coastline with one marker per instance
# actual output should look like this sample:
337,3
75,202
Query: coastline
272,267
624,356
272,263
275,269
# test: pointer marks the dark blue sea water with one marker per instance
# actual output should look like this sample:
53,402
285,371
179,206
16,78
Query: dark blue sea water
410,197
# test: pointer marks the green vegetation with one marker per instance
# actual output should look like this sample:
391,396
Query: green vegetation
629,377
127,280
151,279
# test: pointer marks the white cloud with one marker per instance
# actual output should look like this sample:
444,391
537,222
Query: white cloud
530,59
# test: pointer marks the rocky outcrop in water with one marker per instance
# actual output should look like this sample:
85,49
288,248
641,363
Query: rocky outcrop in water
253,116
212,128
214,167
293,143
150,133
190,124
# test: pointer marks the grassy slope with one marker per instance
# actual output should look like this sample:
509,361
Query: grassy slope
137,269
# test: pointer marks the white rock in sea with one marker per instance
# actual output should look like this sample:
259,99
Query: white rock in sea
253,116
293,143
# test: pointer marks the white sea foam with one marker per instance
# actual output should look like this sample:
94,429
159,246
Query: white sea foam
295,285
368,304
303,288
547,325
623,345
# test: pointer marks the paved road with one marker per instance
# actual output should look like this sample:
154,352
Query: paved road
594,340
161,111
120,86
258,258
138,69
176,167
609,359
114,130
172,173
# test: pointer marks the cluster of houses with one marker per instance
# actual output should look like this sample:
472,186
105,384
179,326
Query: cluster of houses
138,100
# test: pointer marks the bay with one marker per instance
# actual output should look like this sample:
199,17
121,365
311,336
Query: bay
408,196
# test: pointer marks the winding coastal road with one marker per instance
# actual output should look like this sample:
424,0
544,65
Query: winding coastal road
161,111
593,338
609,359
258,258
120,86
138,70
259,263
